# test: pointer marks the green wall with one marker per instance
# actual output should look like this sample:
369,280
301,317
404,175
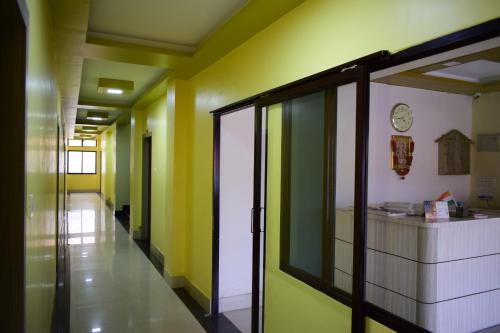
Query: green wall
315,36
43,112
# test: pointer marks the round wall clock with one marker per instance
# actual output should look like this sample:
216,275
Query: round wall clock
401,117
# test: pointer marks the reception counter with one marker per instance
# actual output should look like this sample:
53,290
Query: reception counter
442,275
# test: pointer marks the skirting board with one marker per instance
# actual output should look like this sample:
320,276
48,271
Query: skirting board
110,205
236,302
175,281
181,282
136,234
157,255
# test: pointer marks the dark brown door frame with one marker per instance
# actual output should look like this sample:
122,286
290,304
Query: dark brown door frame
257,208
147,141
468,36
13,70
377,61
256,220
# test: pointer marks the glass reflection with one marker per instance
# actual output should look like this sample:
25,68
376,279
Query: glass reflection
81,226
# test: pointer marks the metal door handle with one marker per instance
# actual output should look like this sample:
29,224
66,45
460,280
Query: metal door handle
251,220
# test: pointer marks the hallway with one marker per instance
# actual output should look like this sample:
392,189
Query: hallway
114,287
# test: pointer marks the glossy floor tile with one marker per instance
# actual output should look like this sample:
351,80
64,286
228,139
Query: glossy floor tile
241,318
114,287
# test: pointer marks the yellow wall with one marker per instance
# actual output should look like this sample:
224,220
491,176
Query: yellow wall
82,183
485,120
315,36
153,120
108,163
136,132
43,111
166,120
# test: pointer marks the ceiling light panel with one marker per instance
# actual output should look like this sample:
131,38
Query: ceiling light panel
479,71
115,87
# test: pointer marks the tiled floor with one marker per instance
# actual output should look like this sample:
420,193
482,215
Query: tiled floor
114,287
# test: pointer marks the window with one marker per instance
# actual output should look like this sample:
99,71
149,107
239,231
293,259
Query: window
81,162
303,174
89,143
74,143
317,184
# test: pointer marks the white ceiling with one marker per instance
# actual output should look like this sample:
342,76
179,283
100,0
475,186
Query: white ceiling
479,71
181,22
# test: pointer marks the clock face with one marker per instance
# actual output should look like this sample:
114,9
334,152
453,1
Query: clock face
401,117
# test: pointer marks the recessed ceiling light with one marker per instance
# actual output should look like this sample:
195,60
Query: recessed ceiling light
113,91
96,329
96,115
88,280
114,86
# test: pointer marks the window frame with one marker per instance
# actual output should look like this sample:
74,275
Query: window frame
475,34
329,81
82,173
70,145
87,140
325,282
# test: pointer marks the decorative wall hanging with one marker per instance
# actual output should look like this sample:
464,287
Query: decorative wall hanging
402,154
454,153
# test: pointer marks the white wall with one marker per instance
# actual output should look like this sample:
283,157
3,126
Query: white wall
236,194
434,113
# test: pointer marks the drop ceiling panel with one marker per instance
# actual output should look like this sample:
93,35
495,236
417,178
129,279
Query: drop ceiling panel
185,22
479,71
143,77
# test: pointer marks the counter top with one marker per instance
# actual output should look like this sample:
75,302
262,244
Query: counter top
422,222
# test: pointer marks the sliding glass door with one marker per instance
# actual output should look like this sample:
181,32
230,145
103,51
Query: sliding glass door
238,227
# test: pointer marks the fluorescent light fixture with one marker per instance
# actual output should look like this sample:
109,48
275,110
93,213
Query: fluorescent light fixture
89,130
96,116
96,329
113,91
88,280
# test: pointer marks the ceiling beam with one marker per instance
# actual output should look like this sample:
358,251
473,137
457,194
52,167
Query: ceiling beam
69,21
100,38
99,106
101,49
251,19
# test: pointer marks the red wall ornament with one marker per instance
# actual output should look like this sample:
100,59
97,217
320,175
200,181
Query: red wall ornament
401,154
